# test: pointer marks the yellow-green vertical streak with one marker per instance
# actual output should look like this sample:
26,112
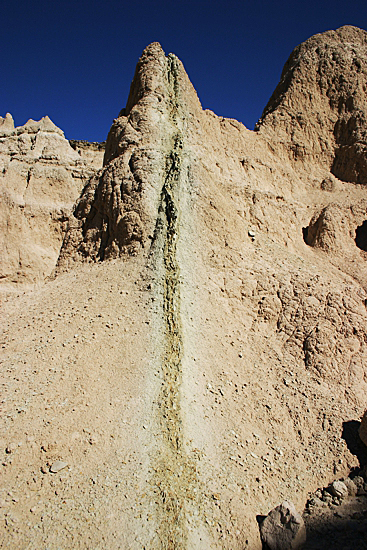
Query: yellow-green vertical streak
170,477
175,480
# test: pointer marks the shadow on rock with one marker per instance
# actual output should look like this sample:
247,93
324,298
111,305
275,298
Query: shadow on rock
336,518
353,441
339,530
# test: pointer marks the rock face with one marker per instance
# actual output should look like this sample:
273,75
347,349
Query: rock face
91,153
208,369
40,178
317,114
117,213
319,106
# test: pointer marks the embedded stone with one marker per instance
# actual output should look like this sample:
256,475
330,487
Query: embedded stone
338,489
57,466
283,528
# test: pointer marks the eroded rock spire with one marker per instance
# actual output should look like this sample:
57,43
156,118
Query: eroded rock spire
117,211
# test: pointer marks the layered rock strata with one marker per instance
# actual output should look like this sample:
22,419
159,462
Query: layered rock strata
91,152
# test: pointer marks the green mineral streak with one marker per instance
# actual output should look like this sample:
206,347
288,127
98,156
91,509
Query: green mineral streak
175,484
171,482
171,305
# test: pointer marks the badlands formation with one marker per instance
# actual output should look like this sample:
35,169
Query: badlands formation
185,348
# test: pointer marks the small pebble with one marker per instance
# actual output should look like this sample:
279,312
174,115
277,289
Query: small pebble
57,466
338,489
10,448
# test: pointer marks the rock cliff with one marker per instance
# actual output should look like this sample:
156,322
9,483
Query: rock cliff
199,355
41,176
118,210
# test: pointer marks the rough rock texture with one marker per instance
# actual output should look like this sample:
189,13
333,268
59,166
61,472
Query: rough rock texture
338,489
215,366
283,528
318,109
317,114
40,178
91,152
118,210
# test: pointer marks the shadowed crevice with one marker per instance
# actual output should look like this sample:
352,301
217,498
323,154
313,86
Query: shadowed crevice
361,236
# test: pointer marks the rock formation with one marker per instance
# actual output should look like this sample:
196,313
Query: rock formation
202,347
118,211
41,176
283,528
318,109
92,153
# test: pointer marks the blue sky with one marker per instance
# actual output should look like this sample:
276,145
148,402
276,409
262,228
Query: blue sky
74,60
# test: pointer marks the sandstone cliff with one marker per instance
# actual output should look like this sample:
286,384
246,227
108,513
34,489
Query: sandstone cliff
41,176
202,349
317,116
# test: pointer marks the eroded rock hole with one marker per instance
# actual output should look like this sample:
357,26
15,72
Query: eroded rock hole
361,236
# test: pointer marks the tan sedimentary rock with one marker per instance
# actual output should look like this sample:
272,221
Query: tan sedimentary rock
118,210
6,124
317,117
318,109
41,176
204,373
283,528
91,152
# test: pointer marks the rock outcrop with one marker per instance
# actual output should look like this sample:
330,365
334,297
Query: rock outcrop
318,109
41,176
207,324
91,152
317,117
117,213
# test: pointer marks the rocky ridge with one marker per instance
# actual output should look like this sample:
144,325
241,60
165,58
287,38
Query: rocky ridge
215,365
91,152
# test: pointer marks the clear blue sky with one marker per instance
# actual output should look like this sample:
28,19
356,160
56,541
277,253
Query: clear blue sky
74,60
